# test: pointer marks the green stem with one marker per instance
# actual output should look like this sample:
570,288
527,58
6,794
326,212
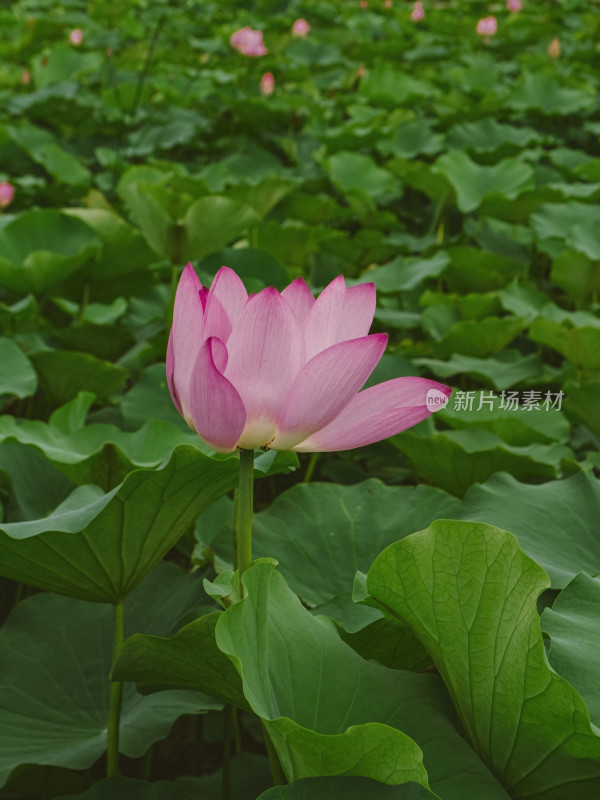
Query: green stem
277,773
314,457
243,511
116,696
227,739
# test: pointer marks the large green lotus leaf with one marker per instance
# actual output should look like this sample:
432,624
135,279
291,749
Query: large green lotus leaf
63,374
99,546
322,533
582,401
214,222
473,182
188,660
124,249
580,345
345,788
454,460
544,94
555,522
352,172
330,712
99,453
487,135
17,376
470,594
33,483
256,268
39,248
517,426
573,626
410,139
374,636
147,203
43,148
403,274
264,196
474,270
478,338
506,369
149,398
388,86
55,657
577,274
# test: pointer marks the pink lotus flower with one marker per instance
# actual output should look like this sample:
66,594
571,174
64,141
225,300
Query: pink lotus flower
387,3
7,194
364,3
76,36
418,12
487,26
514,5
283,371
300,28
267,84
249,42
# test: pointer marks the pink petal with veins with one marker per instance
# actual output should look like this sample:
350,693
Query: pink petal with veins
216,407
325,385
375,414
265,355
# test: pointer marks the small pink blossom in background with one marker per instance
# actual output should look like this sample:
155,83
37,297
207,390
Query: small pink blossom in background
76,36
554,48
418,12
7,194
248,42
387,3
361,71
26,77
514,5
267,84
487,26
300,28
364,3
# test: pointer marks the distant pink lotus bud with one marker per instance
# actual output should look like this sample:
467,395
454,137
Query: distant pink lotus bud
418,12
364,3
26,77
283,370
387,3
300,28
514,5
267,84
487,26
76,36
248,42
7,193
554,48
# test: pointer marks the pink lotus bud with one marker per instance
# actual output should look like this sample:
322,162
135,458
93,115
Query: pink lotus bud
283,370
248,42
76,36
418,12
554,48
26,77
300,28
487,26
267,84
364,4
514,5
387,3
7,193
